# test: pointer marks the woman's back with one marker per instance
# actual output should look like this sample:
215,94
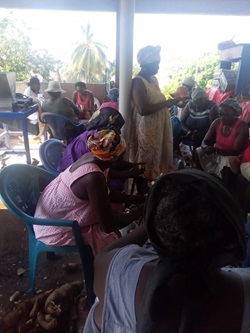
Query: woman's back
196,227
224,310
58,106
199,120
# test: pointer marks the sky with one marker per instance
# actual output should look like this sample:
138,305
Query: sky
185,36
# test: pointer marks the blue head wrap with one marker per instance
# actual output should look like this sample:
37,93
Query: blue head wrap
113,94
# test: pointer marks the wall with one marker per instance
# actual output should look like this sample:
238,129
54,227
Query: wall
97,89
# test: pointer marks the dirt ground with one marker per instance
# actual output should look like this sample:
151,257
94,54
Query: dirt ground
14,256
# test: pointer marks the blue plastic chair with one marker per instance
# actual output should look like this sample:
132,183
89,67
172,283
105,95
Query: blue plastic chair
61,127
20,187
50,153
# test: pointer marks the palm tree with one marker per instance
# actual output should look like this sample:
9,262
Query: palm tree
88,60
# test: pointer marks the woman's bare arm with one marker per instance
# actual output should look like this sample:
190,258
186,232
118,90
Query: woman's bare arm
139,99
184,116
74,97
72,105
86,188
102,261
210,138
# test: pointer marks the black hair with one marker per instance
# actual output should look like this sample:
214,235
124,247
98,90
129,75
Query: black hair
186,221
80,84
33,80
196,226
233,105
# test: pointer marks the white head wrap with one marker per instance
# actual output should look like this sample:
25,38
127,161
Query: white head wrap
148,55
189,81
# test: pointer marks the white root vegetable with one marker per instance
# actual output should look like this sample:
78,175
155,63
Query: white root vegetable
61,299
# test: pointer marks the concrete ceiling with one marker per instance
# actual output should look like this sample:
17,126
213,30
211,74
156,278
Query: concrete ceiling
212,7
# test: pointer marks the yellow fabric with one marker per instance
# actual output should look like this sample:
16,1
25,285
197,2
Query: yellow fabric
106,145
151,139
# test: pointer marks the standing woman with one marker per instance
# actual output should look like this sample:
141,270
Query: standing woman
227,136
151,139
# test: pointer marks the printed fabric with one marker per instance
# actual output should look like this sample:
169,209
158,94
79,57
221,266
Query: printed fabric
151,137
57,201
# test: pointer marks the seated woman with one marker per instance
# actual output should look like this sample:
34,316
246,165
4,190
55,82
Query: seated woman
226,137
33,89
108,114
118,172
84,100
175,112
197,116
245,164
107,117
112,99
80,193
56,103
241,164
176,283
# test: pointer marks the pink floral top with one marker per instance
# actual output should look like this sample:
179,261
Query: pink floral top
59,202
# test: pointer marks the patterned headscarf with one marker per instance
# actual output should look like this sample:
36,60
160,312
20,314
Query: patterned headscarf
106,145
148,55
233,105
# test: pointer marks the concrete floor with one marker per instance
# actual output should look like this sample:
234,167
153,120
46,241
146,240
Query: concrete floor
15,153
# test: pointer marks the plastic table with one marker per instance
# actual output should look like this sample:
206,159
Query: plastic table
22,116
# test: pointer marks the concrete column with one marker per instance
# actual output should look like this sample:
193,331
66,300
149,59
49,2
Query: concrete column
117,55
126,27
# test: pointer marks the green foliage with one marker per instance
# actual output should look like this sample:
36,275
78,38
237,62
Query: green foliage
135,70
44,63
202,70
15,50
110,70
88,60
16,54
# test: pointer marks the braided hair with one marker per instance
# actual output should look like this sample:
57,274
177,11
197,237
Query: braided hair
196,225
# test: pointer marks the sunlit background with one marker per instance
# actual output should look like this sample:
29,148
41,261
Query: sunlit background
181,37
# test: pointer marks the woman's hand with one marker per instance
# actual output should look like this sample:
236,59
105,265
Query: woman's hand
134,172
189,135
209,150
181,101
194,135
140,166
